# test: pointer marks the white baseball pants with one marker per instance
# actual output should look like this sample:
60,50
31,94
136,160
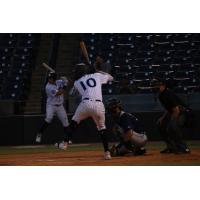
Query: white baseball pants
59,111
91,108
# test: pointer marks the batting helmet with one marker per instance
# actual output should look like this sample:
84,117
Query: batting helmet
80,70
52,75
112,104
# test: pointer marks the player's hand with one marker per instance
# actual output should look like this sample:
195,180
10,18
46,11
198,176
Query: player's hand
176,112
64,78
60,92
160,120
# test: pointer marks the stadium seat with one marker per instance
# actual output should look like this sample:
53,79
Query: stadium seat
16,59
145,56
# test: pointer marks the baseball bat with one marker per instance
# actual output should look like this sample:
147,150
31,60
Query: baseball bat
84,51
48,67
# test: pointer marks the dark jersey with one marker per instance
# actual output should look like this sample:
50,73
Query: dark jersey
128,121
169,100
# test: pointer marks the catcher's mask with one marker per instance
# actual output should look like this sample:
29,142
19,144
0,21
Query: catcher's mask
112,106
52,75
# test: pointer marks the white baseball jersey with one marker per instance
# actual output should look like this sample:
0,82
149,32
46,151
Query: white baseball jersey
89,86
55,103
51,90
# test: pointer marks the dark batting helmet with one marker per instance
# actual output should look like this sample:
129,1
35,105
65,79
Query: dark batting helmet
112,104
80,70
52,75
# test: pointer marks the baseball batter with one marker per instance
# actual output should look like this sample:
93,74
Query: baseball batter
54,106
89,87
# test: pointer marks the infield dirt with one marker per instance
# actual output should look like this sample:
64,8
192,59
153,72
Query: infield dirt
91,155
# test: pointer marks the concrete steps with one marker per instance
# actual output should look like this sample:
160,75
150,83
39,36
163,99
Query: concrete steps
67,57
33,104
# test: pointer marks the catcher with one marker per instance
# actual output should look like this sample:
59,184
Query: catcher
132,138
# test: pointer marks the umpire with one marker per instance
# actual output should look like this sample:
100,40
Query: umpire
171,123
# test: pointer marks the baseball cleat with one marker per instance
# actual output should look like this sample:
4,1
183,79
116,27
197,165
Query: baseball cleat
56,145
107,155
70,142
139,152
62,145
38,138
187,150
182,151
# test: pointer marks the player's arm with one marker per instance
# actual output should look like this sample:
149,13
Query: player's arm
61,83
105,77
73,91
176,102
176,111
54,92
160,120
110,78
107,74
65,82
127,126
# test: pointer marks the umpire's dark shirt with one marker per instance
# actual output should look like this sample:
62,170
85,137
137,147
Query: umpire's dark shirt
169,100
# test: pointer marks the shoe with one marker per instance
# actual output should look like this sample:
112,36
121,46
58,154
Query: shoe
187,150
62,145
107,155
182,151
139,152
56,145
70,142
38,138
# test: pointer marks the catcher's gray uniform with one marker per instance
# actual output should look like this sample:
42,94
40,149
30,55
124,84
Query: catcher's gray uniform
128,124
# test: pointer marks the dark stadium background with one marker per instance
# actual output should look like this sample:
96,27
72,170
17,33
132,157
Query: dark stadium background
136,59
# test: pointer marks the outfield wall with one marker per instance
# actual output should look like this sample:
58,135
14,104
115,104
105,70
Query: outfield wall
21,130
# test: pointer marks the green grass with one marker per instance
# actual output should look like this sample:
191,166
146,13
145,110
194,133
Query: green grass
46,149
161,145
75,148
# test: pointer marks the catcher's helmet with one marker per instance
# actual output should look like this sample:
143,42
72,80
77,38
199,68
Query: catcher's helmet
112,104
52,75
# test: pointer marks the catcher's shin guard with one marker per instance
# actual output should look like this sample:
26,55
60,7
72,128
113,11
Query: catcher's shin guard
119,150
123,150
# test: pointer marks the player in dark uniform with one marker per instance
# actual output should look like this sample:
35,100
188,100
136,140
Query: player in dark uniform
128,129
172,121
